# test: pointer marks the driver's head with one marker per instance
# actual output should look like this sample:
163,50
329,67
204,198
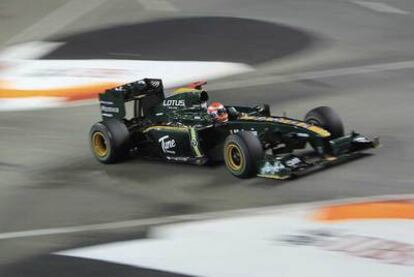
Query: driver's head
218,112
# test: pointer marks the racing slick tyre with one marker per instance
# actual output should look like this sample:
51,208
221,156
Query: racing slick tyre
326,118
109,141
242,151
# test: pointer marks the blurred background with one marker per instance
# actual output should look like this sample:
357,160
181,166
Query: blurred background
56,55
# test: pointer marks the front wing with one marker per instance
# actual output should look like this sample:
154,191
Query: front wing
287,166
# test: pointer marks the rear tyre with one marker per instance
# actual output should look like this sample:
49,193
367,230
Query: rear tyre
326,118
242,151
109,141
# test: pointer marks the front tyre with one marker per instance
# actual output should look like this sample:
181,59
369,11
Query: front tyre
109,141
326,118
242,151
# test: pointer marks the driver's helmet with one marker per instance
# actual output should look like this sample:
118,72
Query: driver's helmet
218,112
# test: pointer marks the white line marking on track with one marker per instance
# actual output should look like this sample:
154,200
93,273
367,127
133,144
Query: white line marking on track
311,75
380,7
158,5
56,20
190,217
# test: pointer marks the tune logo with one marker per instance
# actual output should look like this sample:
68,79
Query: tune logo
374,248
167,144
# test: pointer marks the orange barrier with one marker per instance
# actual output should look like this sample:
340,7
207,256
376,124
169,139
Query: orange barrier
394,209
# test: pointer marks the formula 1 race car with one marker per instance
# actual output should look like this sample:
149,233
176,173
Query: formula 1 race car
183,128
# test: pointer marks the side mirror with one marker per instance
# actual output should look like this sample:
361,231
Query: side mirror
233,113
263,109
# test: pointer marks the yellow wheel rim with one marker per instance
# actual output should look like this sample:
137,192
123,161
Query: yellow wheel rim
99,144
235,157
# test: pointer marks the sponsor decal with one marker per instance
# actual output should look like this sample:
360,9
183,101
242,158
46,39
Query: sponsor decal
379,249
292,162
173,103
235,131
106,102
194,143
167,144
109,109
178,159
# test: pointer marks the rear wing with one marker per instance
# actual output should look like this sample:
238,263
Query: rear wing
113,100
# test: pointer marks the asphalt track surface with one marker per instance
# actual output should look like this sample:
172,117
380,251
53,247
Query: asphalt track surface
49,178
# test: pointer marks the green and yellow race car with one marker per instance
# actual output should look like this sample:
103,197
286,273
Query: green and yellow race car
183,127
